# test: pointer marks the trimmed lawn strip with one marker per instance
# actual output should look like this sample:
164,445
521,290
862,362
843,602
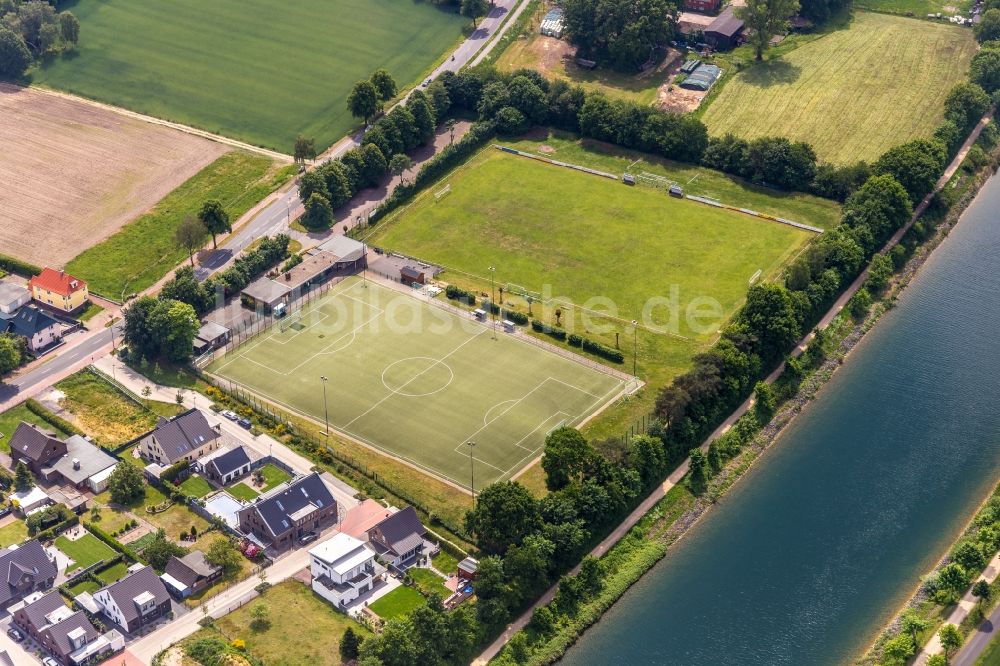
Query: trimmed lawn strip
273,476
114,573
398,603
152,58
445,563
144,250
822,93
243,492
15,533
85,551
429,582
84,586
196,486
294,611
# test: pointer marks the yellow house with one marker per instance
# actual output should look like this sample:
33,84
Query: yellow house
59,290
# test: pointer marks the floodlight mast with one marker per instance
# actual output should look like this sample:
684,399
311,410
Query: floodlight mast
493,297
326,411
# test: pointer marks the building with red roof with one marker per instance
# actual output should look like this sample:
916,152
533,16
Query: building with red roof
59,290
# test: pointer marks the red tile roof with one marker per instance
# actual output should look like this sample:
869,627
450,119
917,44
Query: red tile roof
124,659
57,281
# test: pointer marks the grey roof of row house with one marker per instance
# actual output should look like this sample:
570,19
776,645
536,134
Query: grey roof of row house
74,625
278,508
183,434
131,586
30,441
38,611
91,459
27,560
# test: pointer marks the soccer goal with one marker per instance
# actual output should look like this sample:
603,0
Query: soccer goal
291,321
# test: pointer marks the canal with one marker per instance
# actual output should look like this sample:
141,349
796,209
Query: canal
806,558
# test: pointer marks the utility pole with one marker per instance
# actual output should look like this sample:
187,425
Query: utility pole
472,471
635,344
326,411
493,297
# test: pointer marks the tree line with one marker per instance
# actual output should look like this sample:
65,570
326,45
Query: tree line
30,29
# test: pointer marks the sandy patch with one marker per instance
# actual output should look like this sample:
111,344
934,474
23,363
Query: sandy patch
73,173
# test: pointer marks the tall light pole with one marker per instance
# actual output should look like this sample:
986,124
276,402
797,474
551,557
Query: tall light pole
635,344
493,298
326,411
472,471
364,264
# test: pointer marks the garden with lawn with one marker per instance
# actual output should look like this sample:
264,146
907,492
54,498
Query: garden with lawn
293,610
247,490
15,532
85,551
401,601
196,486
10,419
428,582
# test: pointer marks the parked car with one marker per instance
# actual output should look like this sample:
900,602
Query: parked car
308,537
15,635
245,423
4,510
231,415
49,661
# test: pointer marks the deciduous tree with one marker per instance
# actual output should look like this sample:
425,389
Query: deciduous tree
126,484
505,513
363,101
764,19
190,235
305,149
385,85
567,453
319,214
14,54
473,9
215,219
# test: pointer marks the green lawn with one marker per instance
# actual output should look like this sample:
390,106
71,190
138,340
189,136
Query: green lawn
14,533
273,476
196,486
104,412
114,573
243,492
84,586
303,631
10,419
429,582
85,551
853,93
176,520
92,310
419,382
445,563
143,251
991,655
601,253
918,8
260,71
398,603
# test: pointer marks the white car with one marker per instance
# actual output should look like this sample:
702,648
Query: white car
229,414
49,661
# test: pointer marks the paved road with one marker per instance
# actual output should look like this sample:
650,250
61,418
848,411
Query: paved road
979,641
660,491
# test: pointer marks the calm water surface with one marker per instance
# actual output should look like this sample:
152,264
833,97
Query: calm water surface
806,558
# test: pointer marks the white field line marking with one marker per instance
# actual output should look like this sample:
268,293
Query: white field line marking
490,410
531,452
487,424
548,418
416,376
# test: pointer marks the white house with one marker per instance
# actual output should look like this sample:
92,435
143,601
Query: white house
343,569
137,600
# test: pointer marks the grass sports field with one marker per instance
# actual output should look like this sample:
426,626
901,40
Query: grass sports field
256,70
853,93
419,382
587,237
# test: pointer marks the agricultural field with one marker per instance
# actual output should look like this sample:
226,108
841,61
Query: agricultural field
143,251
599,253
853,93
919,8
418,382
74,173
272,71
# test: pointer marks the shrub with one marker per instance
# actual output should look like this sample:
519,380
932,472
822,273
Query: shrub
553,331
461,295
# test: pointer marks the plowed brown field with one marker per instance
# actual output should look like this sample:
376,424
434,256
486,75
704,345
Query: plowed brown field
73,173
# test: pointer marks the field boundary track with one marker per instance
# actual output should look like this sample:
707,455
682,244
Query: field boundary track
153,120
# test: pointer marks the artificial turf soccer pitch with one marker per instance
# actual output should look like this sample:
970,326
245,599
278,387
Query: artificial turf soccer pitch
419,381
261,71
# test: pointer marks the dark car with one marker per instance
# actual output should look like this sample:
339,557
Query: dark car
308,537
245,423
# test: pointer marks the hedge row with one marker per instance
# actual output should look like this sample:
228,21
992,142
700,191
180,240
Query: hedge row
597,348
22,268
459,294
111,541
553,331
57,422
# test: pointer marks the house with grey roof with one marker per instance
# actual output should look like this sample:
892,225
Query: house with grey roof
289,512
24,569
190,574
224,467
74,461
35,447
399,537
41,330
187,436
137,600
66,635
39,611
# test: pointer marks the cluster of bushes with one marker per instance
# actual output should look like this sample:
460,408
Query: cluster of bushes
332,184
176,472
458,294
291,263
51,521
211,651
126,528
519,318
556,332
596,348
30,29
